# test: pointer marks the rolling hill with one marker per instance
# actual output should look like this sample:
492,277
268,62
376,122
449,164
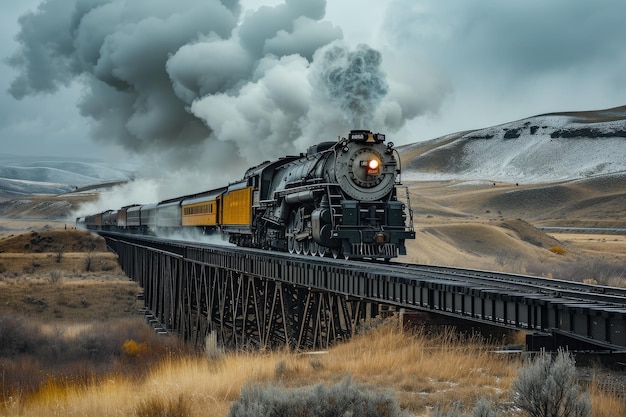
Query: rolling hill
544,148
26,176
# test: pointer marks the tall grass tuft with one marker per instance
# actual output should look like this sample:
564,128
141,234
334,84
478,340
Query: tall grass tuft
160,407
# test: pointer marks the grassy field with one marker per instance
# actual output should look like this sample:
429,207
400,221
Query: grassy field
420,371
73,342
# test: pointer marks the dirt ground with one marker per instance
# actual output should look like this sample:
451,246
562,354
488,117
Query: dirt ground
52,274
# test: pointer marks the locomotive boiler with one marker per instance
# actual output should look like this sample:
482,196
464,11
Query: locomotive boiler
339,198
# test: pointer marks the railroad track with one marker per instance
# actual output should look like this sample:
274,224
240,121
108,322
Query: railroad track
558,288
611,296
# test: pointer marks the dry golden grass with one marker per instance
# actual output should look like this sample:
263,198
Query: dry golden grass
42,287
421,372
605,404
16,264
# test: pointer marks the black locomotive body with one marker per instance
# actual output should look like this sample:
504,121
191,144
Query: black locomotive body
339,197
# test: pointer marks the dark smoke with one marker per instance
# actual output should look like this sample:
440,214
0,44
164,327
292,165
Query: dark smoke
355,81
198,87
119,51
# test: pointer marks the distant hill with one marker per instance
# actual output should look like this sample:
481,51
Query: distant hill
544,148
25,176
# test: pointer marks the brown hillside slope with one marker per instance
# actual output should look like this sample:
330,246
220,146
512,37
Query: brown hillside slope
481,225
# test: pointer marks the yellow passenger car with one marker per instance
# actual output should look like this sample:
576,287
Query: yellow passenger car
236,209
202,211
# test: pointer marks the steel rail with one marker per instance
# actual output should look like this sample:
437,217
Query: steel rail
614,296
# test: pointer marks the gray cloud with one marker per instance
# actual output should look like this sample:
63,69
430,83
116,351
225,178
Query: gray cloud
193,80
519,38
179,79
509,60
118,51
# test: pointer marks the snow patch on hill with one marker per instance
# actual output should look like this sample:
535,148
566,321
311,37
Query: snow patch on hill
24,176
538,149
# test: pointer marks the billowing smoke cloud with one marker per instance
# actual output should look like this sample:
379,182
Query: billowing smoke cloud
203,91
355,81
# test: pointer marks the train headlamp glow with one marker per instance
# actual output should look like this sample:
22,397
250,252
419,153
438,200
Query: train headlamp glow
372,166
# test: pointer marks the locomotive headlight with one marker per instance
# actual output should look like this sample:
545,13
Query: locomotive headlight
372,166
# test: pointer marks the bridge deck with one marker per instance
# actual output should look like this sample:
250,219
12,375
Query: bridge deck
254,297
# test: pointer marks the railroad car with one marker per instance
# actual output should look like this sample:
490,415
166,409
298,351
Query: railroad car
201,211
109,219
338,198
122,216
133,218
168,216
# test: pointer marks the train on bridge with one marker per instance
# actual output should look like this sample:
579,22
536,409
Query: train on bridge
339,198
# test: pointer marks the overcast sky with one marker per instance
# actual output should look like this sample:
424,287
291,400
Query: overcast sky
170,78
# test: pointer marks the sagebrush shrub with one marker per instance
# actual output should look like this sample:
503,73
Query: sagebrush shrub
133,349
548,387
345,398
483,408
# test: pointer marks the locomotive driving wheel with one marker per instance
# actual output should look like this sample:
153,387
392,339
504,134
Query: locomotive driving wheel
298,228
295,228
314,247
291,234
299,235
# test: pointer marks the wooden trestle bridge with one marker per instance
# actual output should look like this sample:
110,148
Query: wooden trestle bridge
253,298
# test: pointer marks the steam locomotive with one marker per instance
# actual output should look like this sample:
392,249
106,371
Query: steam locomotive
339,198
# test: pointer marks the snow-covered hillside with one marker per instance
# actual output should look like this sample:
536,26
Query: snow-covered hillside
538,149
24,176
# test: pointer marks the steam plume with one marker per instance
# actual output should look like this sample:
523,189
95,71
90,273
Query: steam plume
204,90
355,81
